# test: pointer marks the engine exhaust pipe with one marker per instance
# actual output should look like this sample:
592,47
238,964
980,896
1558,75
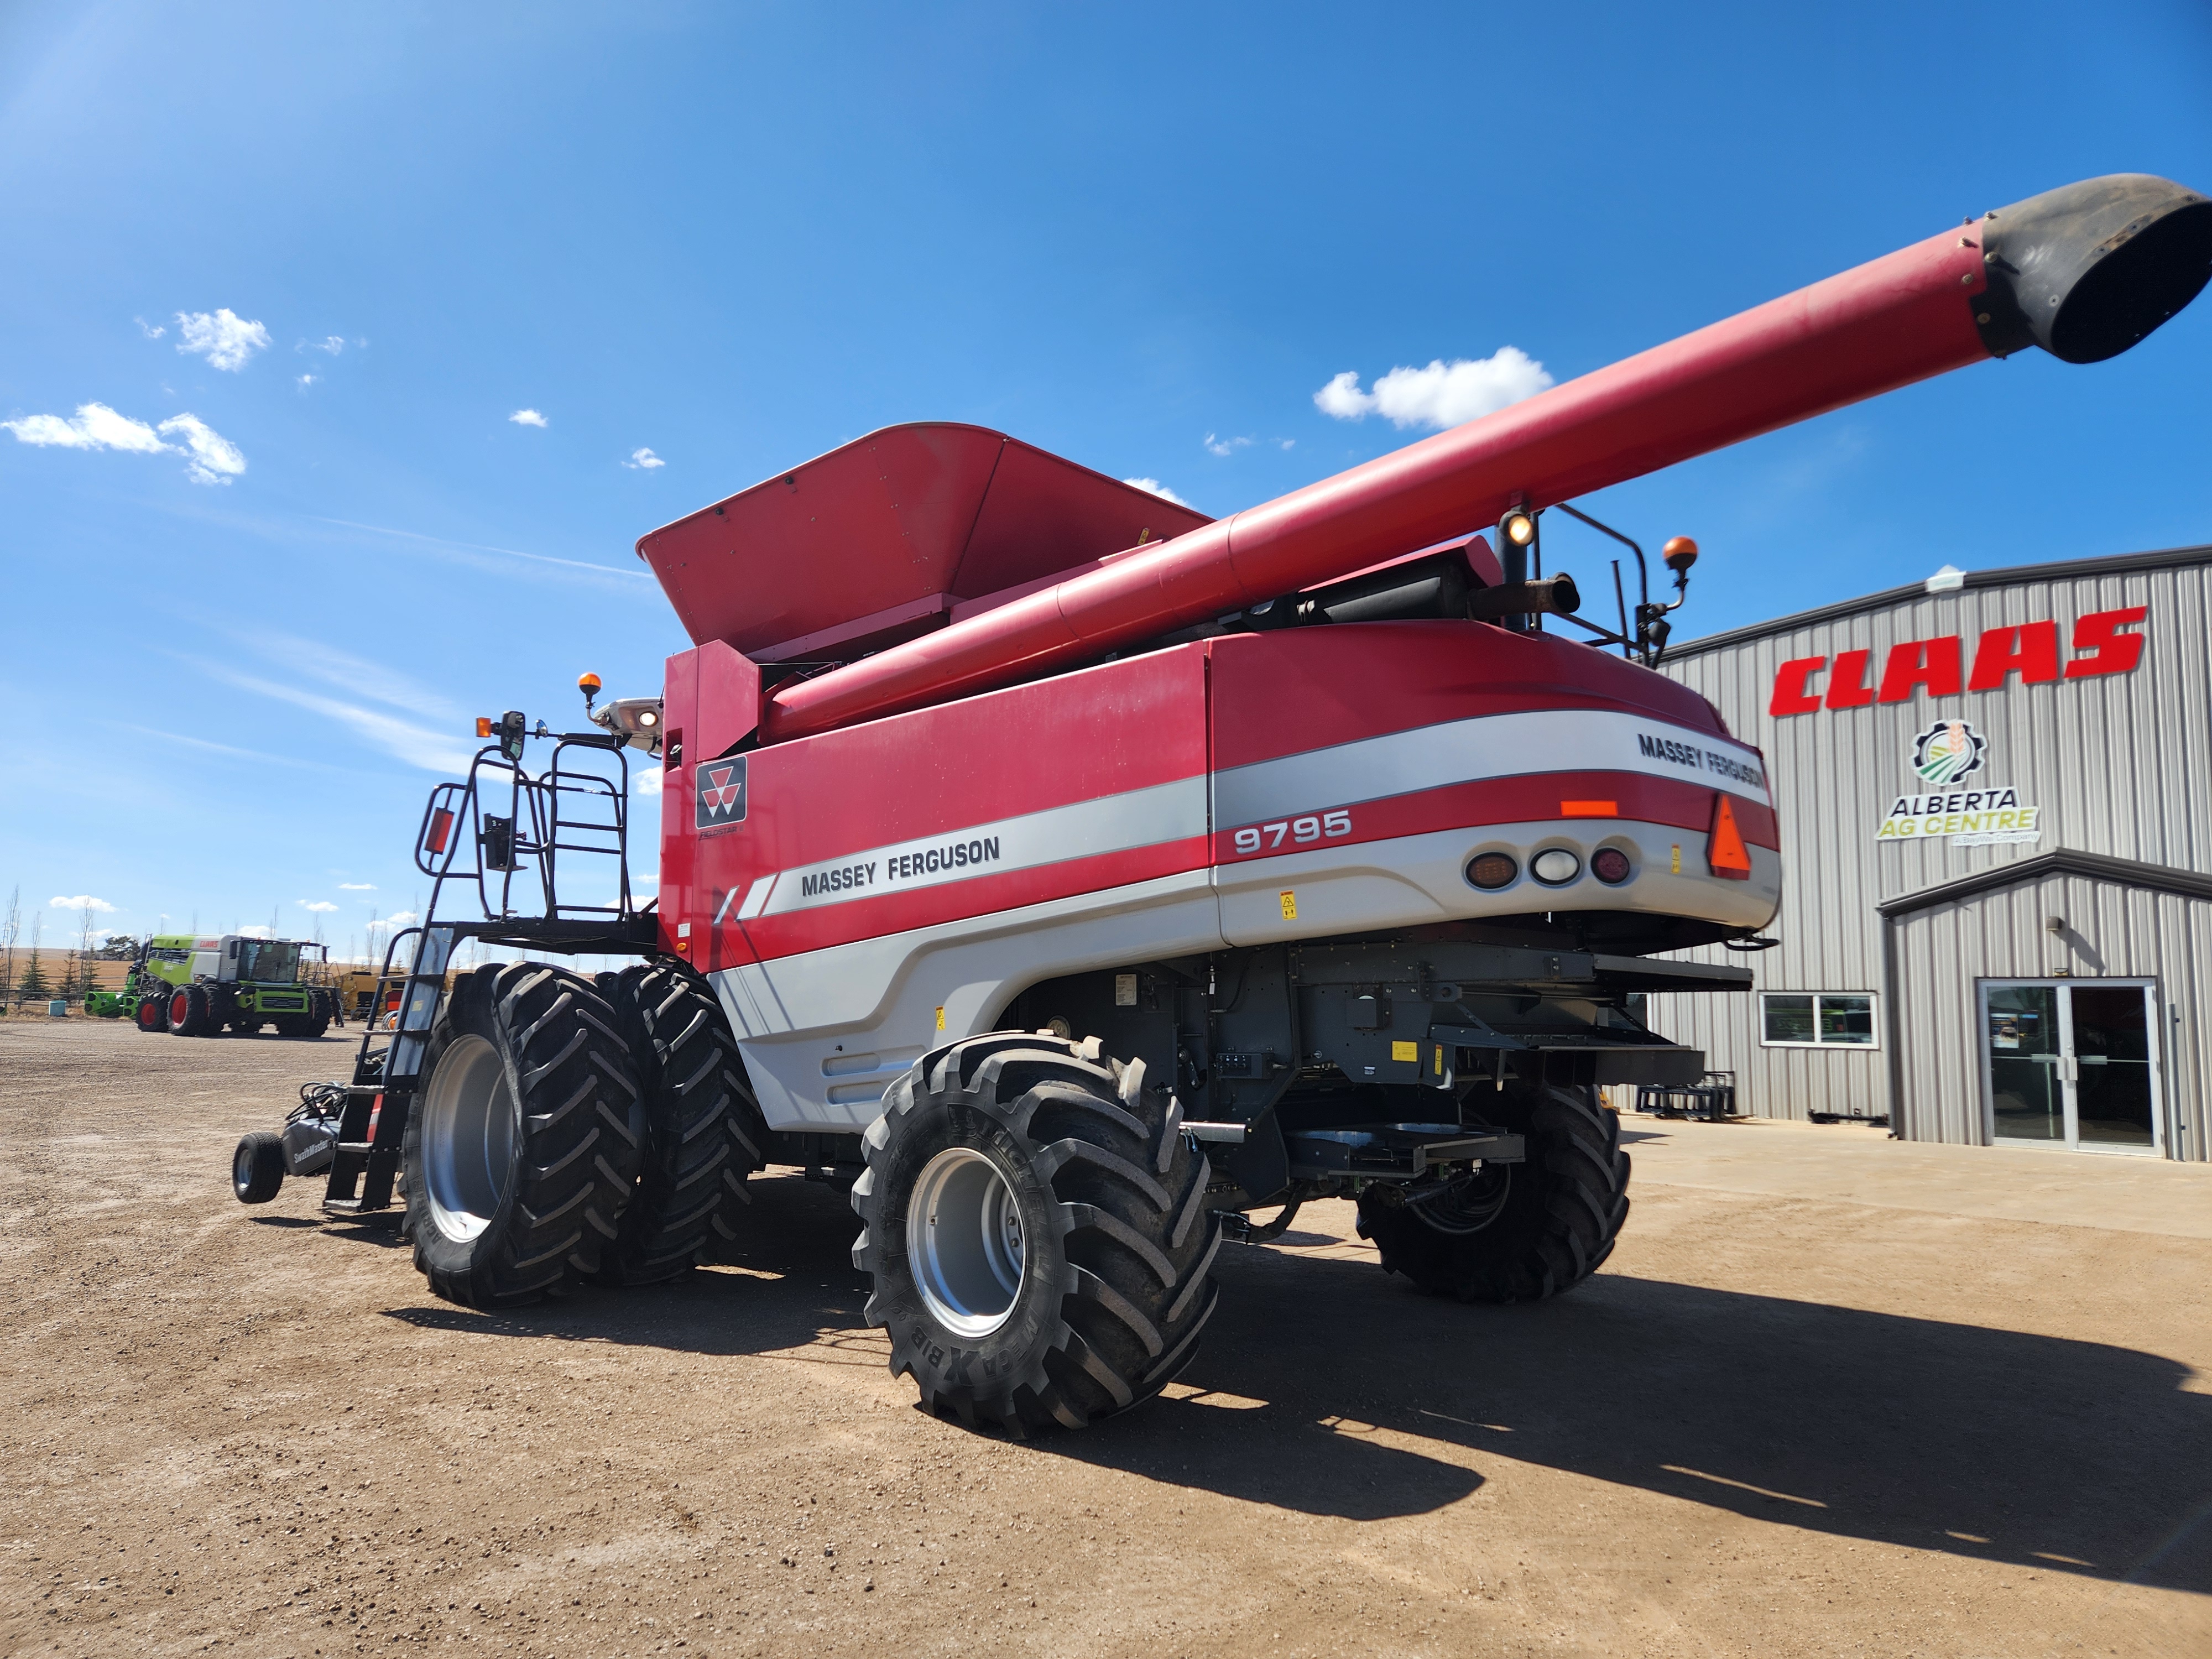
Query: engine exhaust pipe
2084,272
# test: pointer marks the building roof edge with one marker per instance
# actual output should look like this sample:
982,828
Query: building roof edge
2106,564
2062,861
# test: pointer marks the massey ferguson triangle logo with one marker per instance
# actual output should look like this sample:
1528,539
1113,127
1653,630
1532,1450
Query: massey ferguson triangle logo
721,792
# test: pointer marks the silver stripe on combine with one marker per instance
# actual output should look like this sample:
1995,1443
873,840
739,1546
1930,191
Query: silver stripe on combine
1110,823
1486,746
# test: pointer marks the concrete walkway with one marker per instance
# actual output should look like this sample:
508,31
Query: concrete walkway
1850,1163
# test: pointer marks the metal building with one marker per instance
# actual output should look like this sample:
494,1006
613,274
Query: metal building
1995,801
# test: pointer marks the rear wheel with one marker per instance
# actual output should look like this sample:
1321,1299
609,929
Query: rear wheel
1036,1230
256,1168
1515,1232
525,1138
320,1006
703,1134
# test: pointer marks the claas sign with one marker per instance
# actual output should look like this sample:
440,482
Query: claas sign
2101,645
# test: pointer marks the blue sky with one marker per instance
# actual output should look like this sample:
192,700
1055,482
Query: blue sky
241,646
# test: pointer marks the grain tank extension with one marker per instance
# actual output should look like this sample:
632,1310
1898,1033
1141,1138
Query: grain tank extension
1076,876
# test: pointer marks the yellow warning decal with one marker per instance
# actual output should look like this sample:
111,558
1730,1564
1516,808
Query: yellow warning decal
1290,907
940,1019
1440,1060
1677,868
1405,1051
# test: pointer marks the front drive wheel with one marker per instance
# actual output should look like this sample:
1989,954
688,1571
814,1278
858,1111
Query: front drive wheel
189,1014
1513,1232
523,1141
1036,1229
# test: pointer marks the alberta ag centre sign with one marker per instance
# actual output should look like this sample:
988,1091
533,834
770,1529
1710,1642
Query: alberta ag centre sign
1957,801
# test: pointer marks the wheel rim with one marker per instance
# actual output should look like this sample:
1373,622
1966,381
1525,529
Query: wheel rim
963,1238
468,1138
180,1005
242,1171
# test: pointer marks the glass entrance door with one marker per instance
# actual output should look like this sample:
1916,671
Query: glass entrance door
2069,1063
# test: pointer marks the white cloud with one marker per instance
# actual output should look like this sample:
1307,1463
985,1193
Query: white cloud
1443,394
1227,446
215,458
527,417
151,331
96,427
356,887
317,904
307,380
1288,443
332,344
643,458
224,337
397,919
83,901
1155,487
255,930
647,781
433,751
350,674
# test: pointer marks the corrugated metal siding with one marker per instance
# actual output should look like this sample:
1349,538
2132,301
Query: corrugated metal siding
2111,931
2120,765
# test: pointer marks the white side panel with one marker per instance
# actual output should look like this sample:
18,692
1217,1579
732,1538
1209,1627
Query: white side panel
823,1034
1374,886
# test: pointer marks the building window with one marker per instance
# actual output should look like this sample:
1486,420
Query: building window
1822,1019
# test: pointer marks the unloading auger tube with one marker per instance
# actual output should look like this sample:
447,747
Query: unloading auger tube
2084,272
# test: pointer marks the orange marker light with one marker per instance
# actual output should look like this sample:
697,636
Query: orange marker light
1725,853
484,726
1589,809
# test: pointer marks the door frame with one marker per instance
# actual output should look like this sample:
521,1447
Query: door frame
2070,1069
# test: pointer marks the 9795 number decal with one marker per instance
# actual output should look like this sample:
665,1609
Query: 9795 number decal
1296,832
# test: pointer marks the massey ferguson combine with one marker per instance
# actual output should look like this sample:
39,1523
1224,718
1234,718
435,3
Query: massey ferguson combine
1076,876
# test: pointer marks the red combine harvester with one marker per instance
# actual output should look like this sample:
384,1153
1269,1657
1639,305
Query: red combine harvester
1074,875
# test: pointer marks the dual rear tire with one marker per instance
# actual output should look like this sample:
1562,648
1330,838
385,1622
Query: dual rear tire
567,1127
526,1138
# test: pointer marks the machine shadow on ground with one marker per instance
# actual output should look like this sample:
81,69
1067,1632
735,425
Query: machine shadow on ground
1321,1381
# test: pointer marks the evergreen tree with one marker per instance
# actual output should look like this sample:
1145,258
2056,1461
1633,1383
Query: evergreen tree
34,986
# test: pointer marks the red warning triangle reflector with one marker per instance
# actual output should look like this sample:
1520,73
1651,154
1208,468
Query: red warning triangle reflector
1725,852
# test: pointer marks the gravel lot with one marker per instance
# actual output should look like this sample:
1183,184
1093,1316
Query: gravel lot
1782,1421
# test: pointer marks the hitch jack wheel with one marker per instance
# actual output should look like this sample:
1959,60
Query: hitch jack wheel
256,1168
1036,1231
524,1138
1521,1232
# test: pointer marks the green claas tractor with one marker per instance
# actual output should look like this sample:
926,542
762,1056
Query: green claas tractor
202,987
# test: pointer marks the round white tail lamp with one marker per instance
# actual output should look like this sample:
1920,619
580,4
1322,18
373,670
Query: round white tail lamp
1610,865
1491,871
1555,866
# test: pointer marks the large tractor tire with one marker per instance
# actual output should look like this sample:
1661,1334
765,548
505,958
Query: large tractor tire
188,1013
321,1004
153,1013
524,1138
1513,1232
703,1131
1036,1228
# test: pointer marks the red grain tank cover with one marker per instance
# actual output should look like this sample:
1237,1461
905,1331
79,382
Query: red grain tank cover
876,542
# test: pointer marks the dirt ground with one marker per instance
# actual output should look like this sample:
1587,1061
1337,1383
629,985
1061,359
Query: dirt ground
1774,1425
